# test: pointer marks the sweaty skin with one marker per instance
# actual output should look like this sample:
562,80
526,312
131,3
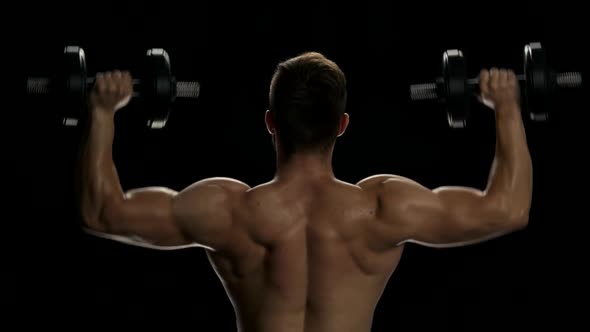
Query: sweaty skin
305,251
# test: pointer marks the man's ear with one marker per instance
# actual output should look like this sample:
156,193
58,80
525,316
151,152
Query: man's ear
269,119
344,120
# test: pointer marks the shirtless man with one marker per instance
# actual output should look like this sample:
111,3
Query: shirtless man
305,251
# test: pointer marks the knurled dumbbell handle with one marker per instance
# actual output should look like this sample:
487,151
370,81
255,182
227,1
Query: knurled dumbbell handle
40,85
428,91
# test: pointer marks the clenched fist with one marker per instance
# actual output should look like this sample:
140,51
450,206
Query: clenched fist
499,87
111,91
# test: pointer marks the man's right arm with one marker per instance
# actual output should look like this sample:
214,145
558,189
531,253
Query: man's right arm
456,216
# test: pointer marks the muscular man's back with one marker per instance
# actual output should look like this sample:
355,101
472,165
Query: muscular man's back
306,252
314,267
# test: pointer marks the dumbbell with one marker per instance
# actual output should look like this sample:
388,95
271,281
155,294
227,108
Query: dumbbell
156,86
454,90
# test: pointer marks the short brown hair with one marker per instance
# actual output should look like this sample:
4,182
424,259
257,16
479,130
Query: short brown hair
307,99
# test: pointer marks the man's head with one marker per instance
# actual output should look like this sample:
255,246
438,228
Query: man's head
307,103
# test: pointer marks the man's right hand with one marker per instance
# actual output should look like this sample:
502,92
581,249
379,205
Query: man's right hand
498,88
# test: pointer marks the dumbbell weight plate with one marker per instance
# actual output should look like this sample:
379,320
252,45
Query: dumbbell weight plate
537,82
71,85
455,88
160,86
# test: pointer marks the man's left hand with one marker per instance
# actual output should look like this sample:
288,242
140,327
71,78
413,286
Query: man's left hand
111,91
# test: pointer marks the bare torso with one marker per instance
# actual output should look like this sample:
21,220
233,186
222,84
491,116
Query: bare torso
308,252
307,261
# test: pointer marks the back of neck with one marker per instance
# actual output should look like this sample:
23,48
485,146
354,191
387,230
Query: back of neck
309,166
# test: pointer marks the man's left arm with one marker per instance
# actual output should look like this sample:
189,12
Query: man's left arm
153,216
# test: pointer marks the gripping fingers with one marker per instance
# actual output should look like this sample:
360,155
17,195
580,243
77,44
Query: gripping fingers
127,83
484,79
111,82
99,85
499,87
512,80
484,88
494,78
120,83
112,89
503,77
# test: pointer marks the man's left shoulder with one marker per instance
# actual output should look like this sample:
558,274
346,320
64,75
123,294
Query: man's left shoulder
210,195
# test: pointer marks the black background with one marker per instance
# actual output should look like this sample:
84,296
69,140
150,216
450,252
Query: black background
530,278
